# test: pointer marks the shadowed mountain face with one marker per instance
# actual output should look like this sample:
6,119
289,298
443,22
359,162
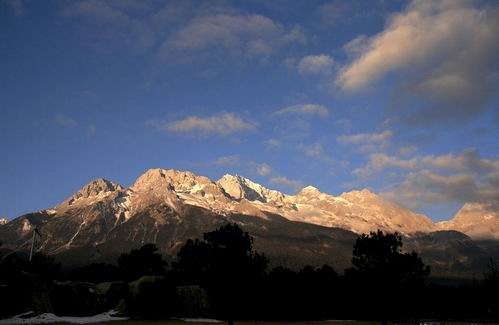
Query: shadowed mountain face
166,207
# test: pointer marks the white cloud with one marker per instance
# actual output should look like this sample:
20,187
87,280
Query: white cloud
330,13
222,124
111,22
296,35
366,142
343,124
273,143
304,109
226,30
315,65
65,121
286,182
425,187
356,46
467,161
181,31
228,160
263,169
314,150
447,51
440,179
380,161
407,150
365,138
250,34
317,151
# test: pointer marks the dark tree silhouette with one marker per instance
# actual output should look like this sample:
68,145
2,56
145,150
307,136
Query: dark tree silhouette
380,267
378,256
45,266
140,262
226,266
491,284
95,272
227,250
232,252
491,274
193,261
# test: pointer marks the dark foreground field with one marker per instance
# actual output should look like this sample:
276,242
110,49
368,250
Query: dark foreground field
331,322
193,322
222,277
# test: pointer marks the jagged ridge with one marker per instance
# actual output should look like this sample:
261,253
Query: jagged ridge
165,196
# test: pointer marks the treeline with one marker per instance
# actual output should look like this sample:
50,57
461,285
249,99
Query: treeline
221,276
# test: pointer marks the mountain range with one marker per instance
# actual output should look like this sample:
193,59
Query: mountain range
166,207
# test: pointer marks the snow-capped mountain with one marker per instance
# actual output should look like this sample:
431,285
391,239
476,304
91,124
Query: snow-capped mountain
357,211
167,206
477,220
3,221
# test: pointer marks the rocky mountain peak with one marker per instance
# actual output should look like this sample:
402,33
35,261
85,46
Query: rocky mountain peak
96,187
309,191
360,195
478,220
239,187
152,178
173,180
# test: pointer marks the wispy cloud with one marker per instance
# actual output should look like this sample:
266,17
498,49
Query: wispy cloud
263,169
343,124
286,182
366,142
228,160
222,124
114,23
304,109
272,143
65,121
361,138
252,35
17,6
321,64
91,130
317,151
331,12
379,161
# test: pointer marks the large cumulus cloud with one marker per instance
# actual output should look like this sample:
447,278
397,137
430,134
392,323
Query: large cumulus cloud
444,52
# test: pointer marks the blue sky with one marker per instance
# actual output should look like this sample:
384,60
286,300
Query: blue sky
396,96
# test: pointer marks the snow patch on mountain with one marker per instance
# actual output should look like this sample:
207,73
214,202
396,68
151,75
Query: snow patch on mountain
48,318
239,187
26,226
